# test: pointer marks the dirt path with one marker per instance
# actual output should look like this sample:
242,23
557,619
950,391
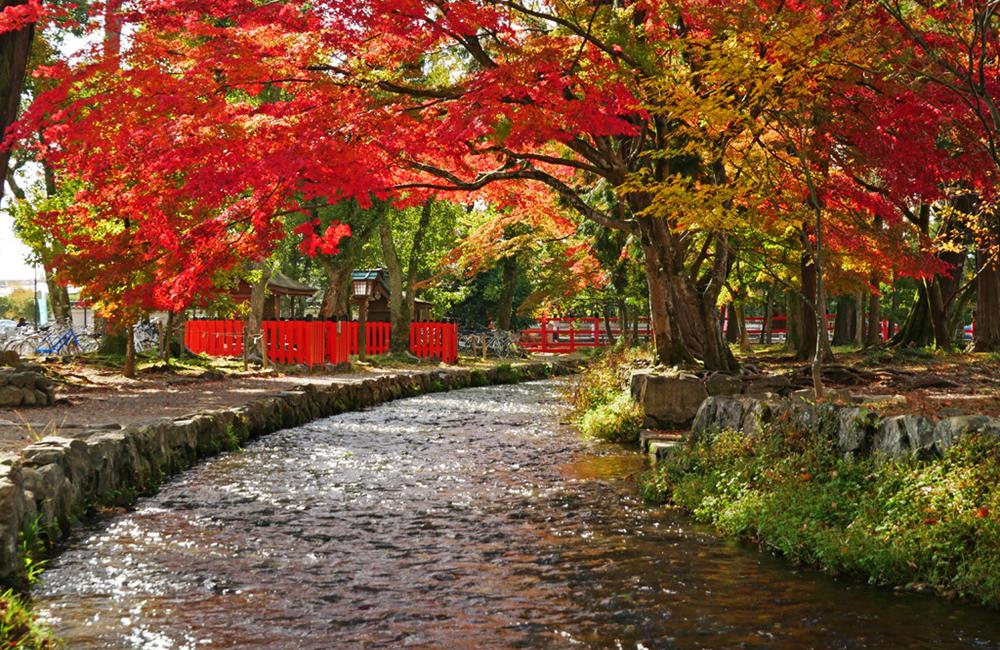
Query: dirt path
89,398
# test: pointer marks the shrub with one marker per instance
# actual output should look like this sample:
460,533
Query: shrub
616,421
920,523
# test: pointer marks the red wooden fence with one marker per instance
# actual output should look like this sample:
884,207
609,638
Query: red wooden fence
434,340
314,343
566,335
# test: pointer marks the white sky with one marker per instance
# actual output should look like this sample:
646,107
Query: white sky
12,252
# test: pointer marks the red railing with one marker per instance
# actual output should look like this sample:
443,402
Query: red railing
566,335
314,343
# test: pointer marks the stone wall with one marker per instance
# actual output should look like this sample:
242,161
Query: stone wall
856,429
25,385
55,482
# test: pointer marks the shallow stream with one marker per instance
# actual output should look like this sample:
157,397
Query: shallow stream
471,519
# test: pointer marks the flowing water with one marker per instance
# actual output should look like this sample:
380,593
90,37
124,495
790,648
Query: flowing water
472,519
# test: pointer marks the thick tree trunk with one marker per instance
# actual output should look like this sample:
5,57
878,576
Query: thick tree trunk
987,314
399,336
336,295
741,320
684,317
845,323
928,320
15,46
859,319
505,306
607,327
793,322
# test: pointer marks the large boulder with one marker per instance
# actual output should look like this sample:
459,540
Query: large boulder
668,399
902,435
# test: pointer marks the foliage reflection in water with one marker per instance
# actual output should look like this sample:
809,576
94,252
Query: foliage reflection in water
466,519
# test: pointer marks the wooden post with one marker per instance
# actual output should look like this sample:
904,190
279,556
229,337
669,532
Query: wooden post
362,329
545,336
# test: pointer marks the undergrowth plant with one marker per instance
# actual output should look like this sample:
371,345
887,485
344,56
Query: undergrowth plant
601,401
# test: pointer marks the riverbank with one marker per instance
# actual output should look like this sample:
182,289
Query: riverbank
51,484
918,525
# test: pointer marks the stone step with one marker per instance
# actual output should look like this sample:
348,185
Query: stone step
660,449
647,436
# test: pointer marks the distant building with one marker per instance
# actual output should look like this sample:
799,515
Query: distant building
279,285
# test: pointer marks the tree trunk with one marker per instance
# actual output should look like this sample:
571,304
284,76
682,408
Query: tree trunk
165,338
59,303
413,267
129,369
732,331
793,322
765,325
845,323
742,323
336,295
859,320
806,342
255,324
399,336
683,315
927,322
873,333
943,338
505,307
986,337
607,327
15,46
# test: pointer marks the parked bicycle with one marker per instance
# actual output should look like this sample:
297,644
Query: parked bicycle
498,343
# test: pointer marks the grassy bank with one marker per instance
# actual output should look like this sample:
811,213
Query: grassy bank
928,525
600,397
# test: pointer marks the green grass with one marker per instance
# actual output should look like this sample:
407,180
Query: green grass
927,524
18,626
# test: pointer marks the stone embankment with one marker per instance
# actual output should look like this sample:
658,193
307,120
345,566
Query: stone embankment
55,482
857,429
